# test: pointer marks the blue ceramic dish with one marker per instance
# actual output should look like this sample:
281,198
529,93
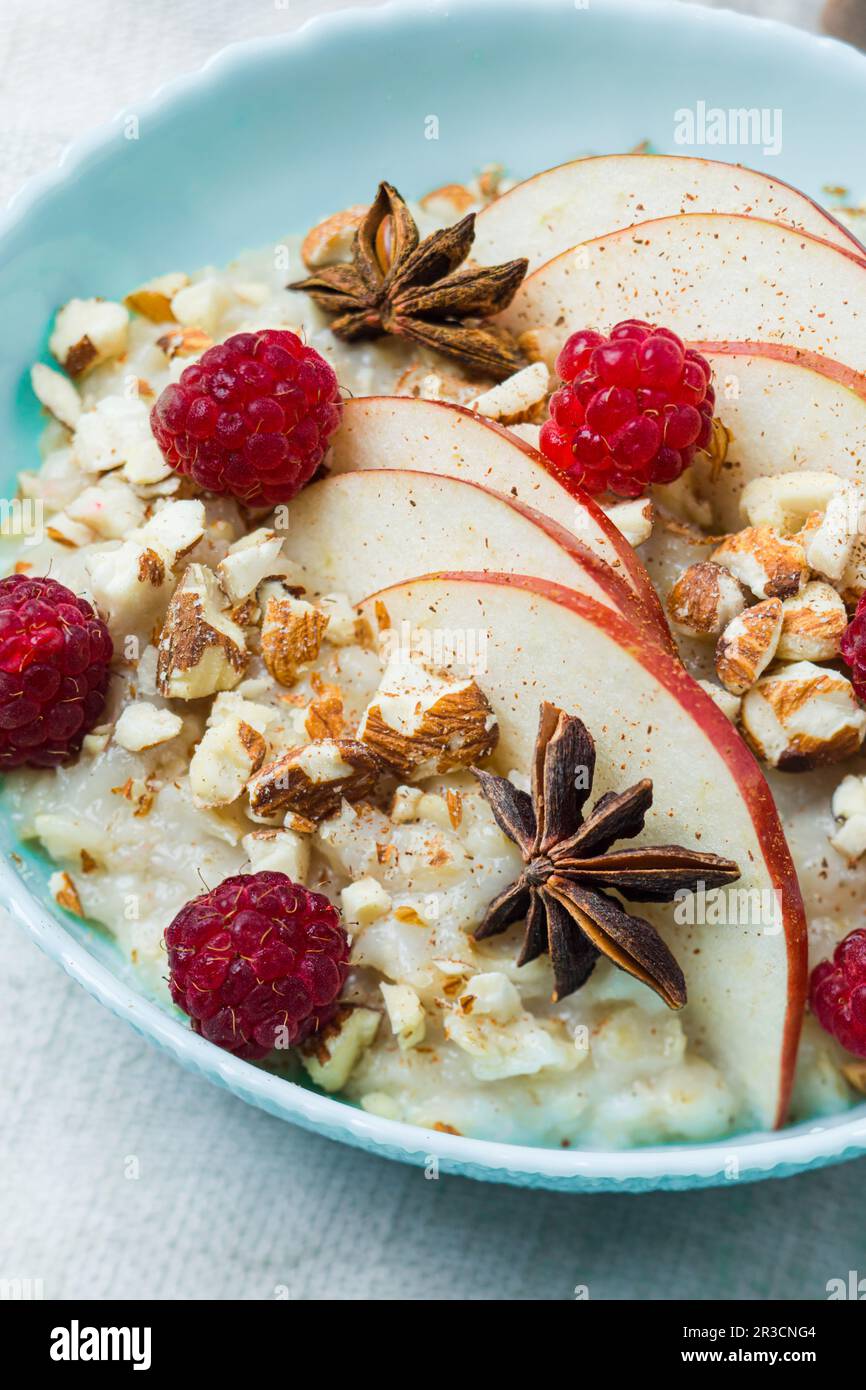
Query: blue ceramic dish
268,137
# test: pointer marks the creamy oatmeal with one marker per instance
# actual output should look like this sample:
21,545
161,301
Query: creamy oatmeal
253,749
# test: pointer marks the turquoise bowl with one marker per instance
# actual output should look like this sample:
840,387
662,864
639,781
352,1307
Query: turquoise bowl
274,133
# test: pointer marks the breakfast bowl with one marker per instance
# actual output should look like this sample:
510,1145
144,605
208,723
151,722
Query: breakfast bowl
454,1054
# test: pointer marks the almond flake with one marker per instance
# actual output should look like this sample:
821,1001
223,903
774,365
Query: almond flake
88,331
409,915
704,600
331,241
332,1054
57,393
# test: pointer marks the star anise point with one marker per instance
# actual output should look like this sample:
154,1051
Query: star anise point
571,867
421,290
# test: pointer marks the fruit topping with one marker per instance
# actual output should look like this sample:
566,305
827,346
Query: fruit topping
252,417
258,962
55,653
633,410
853,646
837,993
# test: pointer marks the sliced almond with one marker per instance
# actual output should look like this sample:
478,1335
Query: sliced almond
88,331
143,725
65,893
520,398
633,519
184,342
784,501
449,202
332,1053
541,345
57,393
153,299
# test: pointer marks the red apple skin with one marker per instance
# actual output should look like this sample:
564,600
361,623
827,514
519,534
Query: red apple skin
631,562
855,255
631,607
629,559
702,709
784,352
856,245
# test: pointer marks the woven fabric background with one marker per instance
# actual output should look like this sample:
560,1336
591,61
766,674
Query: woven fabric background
121,1175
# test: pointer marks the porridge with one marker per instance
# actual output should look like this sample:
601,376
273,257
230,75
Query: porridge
352,822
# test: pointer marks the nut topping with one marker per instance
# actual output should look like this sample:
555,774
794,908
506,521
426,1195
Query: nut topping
153,299
785,500
292,632
520,398
812,624
772,566
420,724
201,650
748,644
803,716
313,780
704,600
88,331
331,241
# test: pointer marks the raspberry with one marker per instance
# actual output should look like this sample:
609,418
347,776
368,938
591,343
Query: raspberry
257,962
252,417
54,666
837,993
854,649
633,410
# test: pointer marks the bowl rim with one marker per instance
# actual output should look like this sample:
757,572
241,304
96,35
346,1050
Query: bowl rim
746,1157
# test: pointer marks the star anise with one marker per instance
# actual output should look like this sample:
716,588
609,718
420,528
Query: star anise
398,284
570,862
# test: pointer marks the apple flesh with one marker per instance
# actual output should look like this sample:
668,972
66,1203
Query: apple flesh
588,198
434,437
746,981
354,532
707,276
785,410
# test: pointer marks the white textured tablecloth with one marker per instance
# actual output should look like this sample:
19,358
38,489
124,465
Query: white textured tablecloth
123,1176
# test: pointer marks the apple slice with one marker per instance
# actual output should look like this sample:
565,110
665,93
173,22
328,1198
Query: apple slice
588,198
746,983
785,409
434,437
707,276
356,531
